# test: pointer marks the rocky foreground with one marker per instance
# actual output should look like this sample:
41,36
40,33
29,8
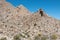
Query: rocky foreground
20,24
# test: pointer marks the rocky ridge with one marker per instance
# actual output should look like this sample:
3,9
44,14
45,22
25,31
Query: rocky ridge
20,21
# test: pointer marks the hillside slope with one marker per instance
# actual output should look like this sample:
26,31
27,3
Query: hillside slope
25,25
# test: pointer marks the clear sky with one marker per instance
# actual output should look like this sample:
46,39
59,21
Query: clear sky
50,7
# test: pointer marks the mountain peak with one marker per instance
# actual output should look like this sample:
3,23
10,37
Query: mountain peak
21,6
40,9
41,12
22,10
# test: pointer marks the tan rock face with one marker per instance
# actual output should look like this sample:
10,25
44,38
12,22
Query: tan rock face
20,21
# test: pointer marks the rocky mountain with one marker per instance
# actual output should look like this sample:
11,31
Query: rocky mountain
17,23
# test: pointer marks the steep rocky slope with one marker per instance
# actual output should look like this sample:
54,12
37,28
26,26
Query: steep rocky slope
20,24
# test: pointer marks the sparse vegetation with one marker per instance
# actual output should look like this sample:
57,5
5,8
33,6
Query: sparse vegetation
3,38
17,37
38,37
43,38
35,24
53,37
25,25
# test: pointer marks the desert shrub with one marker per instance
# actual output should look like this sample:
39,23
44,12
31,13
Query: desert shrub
35,24
54,37
16,37
37,37
19,36
43,38
3,38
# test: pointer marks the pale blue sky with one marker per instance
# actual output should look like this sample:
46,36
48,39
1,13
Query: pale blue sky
51,7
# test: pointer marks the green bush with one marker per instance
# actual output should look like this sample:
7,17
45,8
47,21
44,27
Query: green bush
19,36
54,37
3,38
39,35
16,37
